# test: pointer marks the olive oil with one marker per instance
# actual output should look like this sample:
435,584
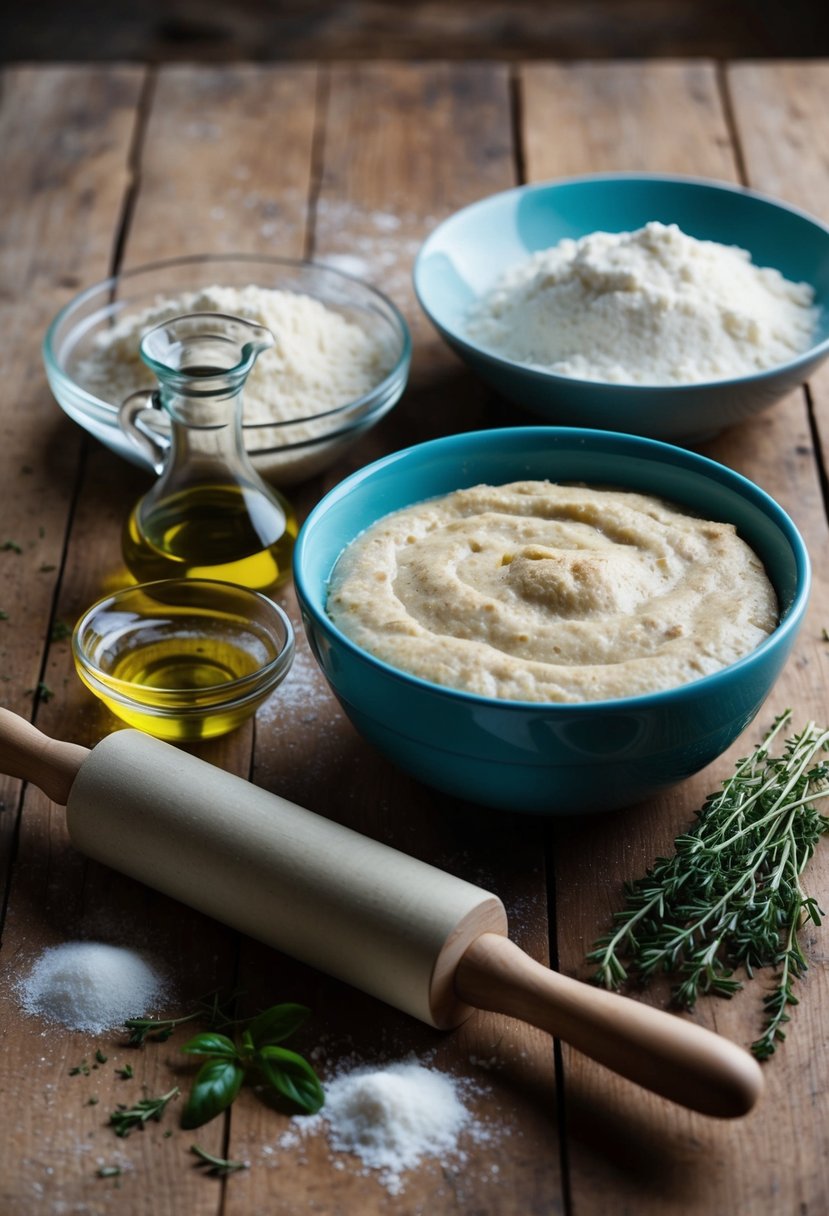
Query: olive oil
183,664
211,531
183,659
196,667
210,515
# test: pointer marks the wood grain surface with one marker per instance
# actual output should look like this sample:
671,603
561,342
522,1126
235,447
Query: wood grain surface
110,167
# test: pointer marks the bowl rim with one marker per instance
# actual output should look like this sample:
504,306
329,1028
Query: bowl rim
814,352
754,494
108,413
232,692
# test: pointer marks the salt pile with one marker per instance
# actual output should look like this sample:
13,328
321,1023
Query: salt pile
89,986
393,1118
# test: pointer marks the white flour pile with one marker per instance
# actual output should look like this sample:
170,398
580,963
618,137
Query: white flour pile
89,986
320,360
393,1118
648,307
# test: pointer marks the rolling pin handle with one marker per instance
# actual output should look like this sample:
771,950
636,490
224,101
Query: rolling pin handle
664,1053
27,753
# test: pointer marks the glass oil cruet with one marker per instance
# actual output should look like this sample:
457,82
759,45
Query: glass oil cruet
209,514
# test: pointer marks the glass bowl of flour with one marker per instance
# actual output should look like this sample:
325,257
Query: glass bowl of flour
670,308
339,362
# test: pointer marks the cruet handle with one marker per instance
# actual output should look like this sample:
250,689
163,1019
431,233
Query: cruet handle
148,441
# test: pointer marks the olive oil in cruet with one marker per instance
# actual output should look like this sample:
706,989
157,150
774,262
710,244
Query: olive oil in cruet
209,514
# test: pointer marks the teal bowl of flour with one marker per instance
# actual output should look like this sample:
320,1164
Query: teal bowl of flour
548,758
465,256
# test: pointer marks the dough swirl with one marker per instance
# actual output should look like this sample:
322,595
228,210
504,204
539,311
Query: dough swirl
536,591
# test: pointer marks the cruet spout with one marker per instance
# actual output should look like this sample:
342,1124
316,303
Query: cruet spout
201,362
186,353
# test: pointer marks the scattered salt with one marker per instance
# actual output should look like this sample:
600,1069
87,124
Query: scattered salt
89,986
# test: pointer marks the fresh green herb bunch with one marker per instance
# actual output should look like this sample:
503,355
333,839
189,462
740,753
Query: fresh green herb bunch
731,895
257,1052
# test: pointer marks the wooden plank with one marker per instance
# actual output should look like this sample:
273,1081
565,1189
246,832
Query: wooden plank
584,118
54,182
56,894
783,133
780,110
66,136
403,146
627,1150
225,163
464,30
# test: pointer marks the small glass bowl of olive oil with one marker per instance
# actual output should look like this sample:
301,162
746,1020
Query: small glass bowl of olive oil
183,659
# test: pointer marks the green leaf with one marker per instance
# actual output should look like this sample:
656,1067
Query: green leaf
217,1084
211,1044
277,1023
291,1076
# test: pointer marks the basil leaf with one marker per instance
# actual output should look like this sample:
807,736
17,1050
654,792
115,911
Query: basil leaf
291,1076
211,1044
277,1023
217,1084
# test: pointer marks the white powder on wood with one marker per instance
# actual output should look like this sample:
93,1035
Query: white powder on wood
392,1119
320,359
653,306
90,986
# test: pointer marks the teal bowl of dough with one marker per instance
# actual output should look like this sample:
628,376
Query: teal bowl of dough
608,740
666,307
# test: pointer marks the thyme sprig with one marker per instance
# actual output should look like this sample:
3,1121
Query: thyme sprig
730,895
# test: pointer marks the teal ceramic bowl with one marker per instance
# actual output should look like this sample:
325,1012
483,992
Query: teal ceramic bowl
547,759
465,255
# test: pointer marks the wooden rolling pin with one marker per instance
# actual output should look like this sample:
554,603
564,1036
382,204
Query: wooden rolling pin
416,937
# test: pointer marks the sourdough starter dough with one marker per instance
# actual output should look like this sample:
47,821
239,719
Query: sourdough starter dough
542,592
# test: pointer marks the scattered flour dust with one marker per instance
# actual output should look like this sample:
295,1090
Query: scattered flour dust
90,986
320,359
393,1118
300,697
653,306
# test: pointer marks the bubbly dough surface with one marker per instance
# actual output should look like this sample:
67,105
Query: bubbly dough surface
536,591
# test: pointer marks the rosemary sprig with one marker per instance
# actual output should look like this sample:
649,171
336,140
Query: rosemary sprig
125,1119
730,896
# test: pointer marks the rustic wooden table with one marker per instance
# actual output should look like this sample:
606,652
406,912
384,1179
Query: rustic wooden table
112,166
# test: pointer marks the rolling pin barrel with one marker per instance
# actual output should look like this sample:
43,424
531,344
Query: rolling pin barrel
348,905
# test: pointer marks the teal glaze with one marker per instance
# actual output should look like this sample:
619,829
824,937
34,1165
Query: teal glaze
465,255
547,759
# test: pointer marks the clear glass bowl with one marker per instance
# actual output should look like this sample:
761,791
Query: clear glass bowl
284,451
183,659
